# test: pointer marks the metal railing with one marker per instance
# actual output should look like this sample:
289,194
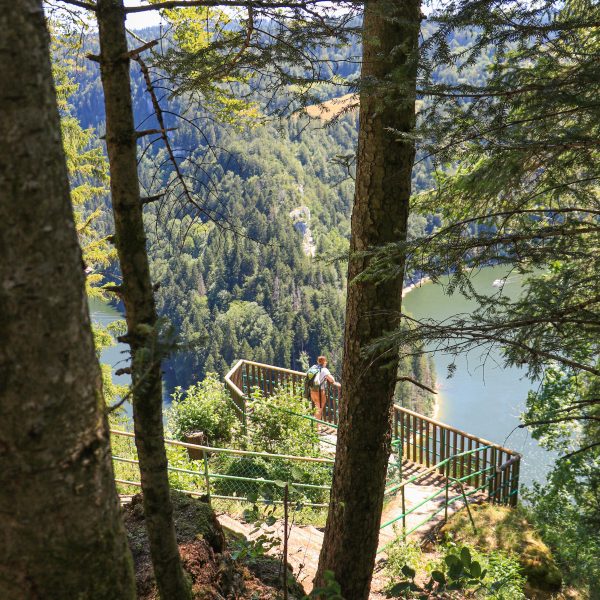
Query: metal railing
215,481
228,474
461,464
485,481
428,442
247,375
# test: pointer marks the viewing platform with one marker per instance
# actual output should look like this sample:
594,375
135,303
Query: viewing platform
434,470
421,444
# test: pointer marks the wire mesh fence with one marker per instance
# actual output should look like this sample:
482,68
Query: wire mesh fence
230,478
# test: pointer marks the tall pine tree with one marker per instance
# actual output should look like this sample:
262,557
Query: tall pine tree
62,535
380,215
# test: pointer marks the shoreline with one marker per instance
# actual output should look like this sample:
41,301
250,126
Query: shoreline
420,282
437,398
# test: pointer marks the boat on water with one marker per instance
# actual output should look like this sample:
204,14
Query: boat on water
498,282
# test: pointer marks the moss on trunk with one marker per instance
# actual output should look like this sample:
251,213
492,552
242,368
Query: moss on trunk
138,296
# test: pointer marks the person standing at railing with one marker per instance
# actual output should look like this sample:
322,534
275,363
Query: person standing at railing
318,378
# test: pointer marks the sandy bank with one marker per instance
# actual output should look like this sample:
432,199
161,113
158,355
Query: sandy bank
437,398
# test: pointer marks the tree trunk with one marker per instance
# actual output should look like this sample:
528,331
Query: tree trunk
138,296
61,534
380,213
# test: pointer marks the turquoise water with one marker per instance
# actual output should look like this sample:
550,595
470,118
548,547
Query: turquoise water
482,397
116,356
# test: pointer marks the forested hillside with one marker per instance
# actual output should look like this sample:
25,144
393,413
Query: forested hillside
244,283
268,180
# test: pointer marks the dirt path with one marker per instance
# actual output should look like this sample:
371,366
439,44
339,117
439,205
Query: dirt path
304,546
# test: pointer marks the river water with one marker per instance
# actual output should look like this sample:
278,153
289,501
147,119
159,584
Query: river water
482,397
116,356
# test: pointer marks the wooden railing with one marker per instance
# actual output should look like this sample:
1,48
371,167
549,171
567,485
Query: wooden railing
246,376
428,442
419,439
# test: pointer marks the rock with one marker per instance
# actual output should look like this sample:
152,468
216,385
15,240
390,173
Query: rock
301,213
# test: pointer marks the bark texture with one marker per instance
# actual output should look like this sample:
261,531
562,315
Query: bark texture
138,296
380,214
61,534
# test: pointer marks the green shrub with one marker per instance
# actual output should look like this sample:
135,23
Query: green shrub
495,574
277,425
501,573
566,512
505,575
205,407
280,470
508,529
401,553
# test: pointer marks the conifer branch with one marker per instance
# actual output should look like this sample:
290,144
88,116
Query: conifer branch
558,420
115,289
468,334
158,112
81,4
161,132
579,451
170,4
415,382
180,178
134,54
149,199
246,44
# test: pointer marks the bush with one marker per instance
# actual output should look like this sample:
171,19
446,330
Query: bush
275,425
281,470
566,512
205,407
461,570
401,553
508,529
505,575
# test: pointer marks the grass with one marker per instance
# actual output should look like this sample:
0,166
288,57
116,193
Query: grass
508,530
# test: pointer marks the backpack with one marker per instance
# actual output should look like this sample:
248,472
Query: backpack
309,380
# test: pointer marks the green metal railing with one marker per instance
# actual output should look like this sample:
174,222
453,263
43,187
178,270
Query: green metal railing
428,442
228,474
461,464
217,485
486,478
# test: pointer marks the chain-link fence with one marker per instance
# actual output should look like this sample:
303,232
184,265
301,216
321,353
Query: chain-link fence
231,480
